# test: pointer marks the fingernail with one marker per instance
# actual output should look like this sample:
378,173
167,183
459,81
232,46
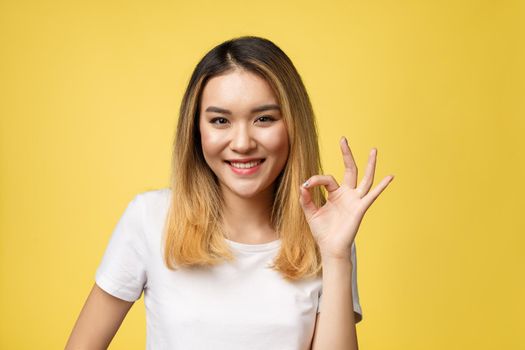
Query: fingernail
344,139
305,184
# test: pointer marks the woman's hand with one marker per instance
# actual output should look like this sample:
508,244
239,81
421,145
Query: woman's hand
335,224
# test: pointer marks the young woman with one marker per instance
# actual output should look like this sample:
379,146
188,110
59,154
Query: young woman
250,247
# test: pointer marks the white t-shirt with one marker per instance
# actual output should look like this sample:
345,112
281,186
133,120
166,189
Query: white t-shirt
235,306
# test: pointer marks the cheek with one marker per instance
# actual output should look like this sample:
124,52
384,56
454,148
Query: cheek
277,142
210,142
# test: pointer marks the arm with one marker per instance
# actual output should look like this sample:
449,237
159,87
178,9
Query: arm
98,321
334,227
335,324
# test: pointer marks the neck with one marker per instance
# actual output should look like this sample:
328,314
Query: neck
247,220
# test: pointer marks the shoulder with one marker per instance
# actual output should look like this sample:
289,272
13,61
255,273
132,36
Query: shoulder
155,197
153,204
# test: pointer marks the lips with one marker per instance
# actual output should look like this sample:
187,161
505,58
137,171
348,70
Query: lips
245,160
245,167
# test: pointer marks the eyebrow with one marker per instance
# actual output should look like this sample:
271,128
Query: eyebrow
257,109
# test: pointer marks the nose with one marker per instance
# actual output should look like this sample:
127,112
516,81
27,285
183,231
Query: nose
242,140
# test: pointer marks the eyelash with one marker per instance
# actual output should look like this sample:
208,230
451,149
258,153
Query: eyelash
213,121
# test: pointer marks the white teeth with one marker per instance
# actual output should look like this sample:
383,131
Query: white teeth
246,165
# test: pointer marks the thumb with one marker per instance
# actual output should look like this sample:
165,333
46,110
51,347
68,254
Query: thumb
307,204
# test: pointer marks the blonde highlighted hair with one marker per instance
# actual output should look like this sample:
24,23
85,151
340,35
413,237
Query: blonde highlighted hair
194,236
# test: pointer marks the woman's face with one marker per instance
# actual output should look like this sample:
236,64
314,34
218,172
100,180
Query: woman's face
244,138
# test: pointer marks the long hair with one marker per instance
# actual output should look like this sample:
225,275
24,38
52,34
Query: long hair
194,236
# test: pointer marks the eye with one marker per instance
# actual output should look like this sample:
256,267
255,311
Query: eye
219,121
266,118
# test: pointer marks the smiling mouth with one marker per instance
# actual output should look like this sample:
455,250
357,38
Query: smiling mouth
245,165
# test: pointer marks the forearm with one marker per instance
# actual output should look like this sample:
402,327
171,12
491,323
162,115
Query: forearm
335,327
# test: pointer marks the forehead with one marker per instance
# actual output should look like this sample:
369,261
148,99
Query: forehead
237,90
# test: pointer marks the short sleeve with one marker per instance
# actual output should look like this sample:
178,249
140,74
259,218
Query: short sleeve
122,271
355,292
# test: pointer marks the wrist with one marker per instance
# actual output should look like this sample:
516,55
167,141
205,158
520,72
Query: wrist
336,259
336,254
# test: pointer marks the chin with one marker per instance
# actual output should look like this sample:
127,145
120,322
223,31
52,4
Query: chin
244,192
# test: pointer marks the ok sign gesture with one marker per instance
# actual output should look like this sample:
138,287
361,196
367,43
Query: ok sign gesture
335,224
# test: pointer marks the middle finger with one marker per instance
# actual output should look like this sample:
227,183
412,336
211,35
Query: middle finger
350,175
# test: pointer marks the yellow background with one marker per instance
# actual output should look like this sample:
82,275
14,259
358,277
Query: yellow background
90,92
